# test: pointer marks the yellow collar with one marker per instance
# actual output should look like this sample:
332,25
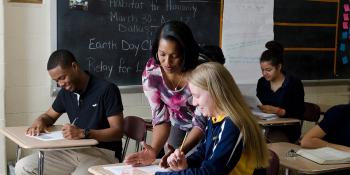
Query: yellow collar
218,118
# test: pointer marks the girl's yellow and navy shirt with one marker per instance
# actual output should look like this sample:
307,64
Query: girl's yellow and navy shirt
216,154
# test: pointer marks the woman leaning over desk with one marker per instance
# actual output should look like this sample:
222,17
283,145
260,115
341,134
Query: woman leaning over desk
280,93
175,53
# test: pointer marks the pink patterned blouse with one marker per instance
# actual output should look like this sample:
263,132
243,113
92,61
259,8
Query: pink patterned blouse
168,105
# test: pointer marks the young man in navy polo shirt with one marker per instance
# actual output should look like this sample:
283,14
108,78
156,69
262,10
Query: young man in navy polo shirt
95,111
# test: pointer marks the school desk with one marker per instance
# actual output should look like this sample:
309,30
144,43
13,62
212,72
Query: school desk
278,121
17,135
290,160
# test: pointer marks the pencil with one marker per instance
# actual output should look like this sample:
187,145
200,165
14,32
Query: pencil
183,141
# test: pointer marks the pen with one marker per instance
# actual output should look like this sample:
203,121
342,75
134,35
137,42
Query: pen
74,121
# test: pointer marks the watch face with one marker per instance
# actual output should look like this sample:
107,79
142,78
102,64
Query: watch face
86,133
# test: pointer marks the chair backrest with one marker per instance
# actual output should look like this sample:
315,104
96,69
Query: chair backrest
312,112
274,164
134,128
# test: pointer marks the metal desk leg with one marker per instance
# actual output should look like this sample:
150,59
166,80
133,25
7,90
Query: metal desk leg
18,153
41,163
286,172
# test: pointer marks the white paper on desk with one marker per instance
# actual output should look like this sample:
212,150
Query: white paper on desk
264,116
152,169
253,102
125,169
54,135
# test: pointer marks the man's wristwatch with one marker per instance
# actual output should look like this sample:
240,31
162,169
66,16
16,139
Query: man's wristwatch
86,133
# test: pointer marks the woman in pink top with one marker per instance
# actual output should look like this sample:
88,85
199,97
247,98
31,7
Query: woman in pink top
175,53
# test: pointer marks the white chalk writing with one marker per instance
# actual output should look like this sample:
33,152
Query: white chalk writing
135,47
95,44
99,66
133,4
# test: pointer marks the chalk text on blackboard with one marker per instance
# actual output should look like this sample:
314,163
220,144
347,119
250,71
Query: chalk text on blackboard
99,66
94,44
172,6
132,4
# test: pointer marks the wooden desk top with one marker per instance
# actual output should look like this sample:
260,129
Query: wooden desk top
278,121
17,135
300,164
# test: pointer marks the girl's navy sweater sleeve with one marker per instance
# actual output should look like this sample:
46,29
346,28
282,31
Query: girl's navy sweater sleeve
215,154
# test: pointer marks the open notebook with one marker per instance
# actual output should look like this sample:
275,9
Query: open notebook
325,155
253,103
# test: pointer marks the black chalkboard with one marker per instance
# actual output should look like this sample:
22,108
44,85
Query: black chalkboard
112,38
309,30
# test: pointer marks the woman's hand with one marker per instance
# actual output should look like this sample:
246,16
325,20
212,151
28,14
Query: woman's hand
272,110
142,158
268,109
163,162
177,161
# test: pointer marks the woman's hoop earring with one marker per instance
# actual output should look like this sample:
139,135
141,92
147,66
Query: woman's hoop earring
157,57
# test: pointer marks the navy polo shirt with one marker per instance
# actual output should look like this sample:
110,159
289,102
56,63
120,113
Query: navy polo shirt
91,108
336,125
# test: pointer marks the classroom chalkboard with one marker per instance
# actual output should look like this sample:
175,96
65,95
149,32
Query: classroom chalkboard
311,34
112,38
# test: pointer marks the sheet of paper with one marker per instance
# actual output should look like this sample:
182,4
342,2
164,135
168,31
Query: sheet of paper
119,170
248,25
127,169
264,116
252,101
152,169
55,135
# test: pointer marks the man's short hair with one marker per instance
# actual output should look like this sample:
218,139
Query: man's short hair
61,57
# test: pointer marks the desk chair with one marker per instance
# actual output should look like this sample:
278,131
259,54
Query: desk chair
274,164
134,128
312,112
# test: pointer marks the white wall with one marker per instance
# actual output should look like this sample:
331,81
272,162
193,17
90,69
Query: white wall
2,91
27,46
28,42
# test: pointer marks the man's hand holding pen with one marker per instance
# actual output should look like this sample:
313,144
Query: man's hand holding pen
72,132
